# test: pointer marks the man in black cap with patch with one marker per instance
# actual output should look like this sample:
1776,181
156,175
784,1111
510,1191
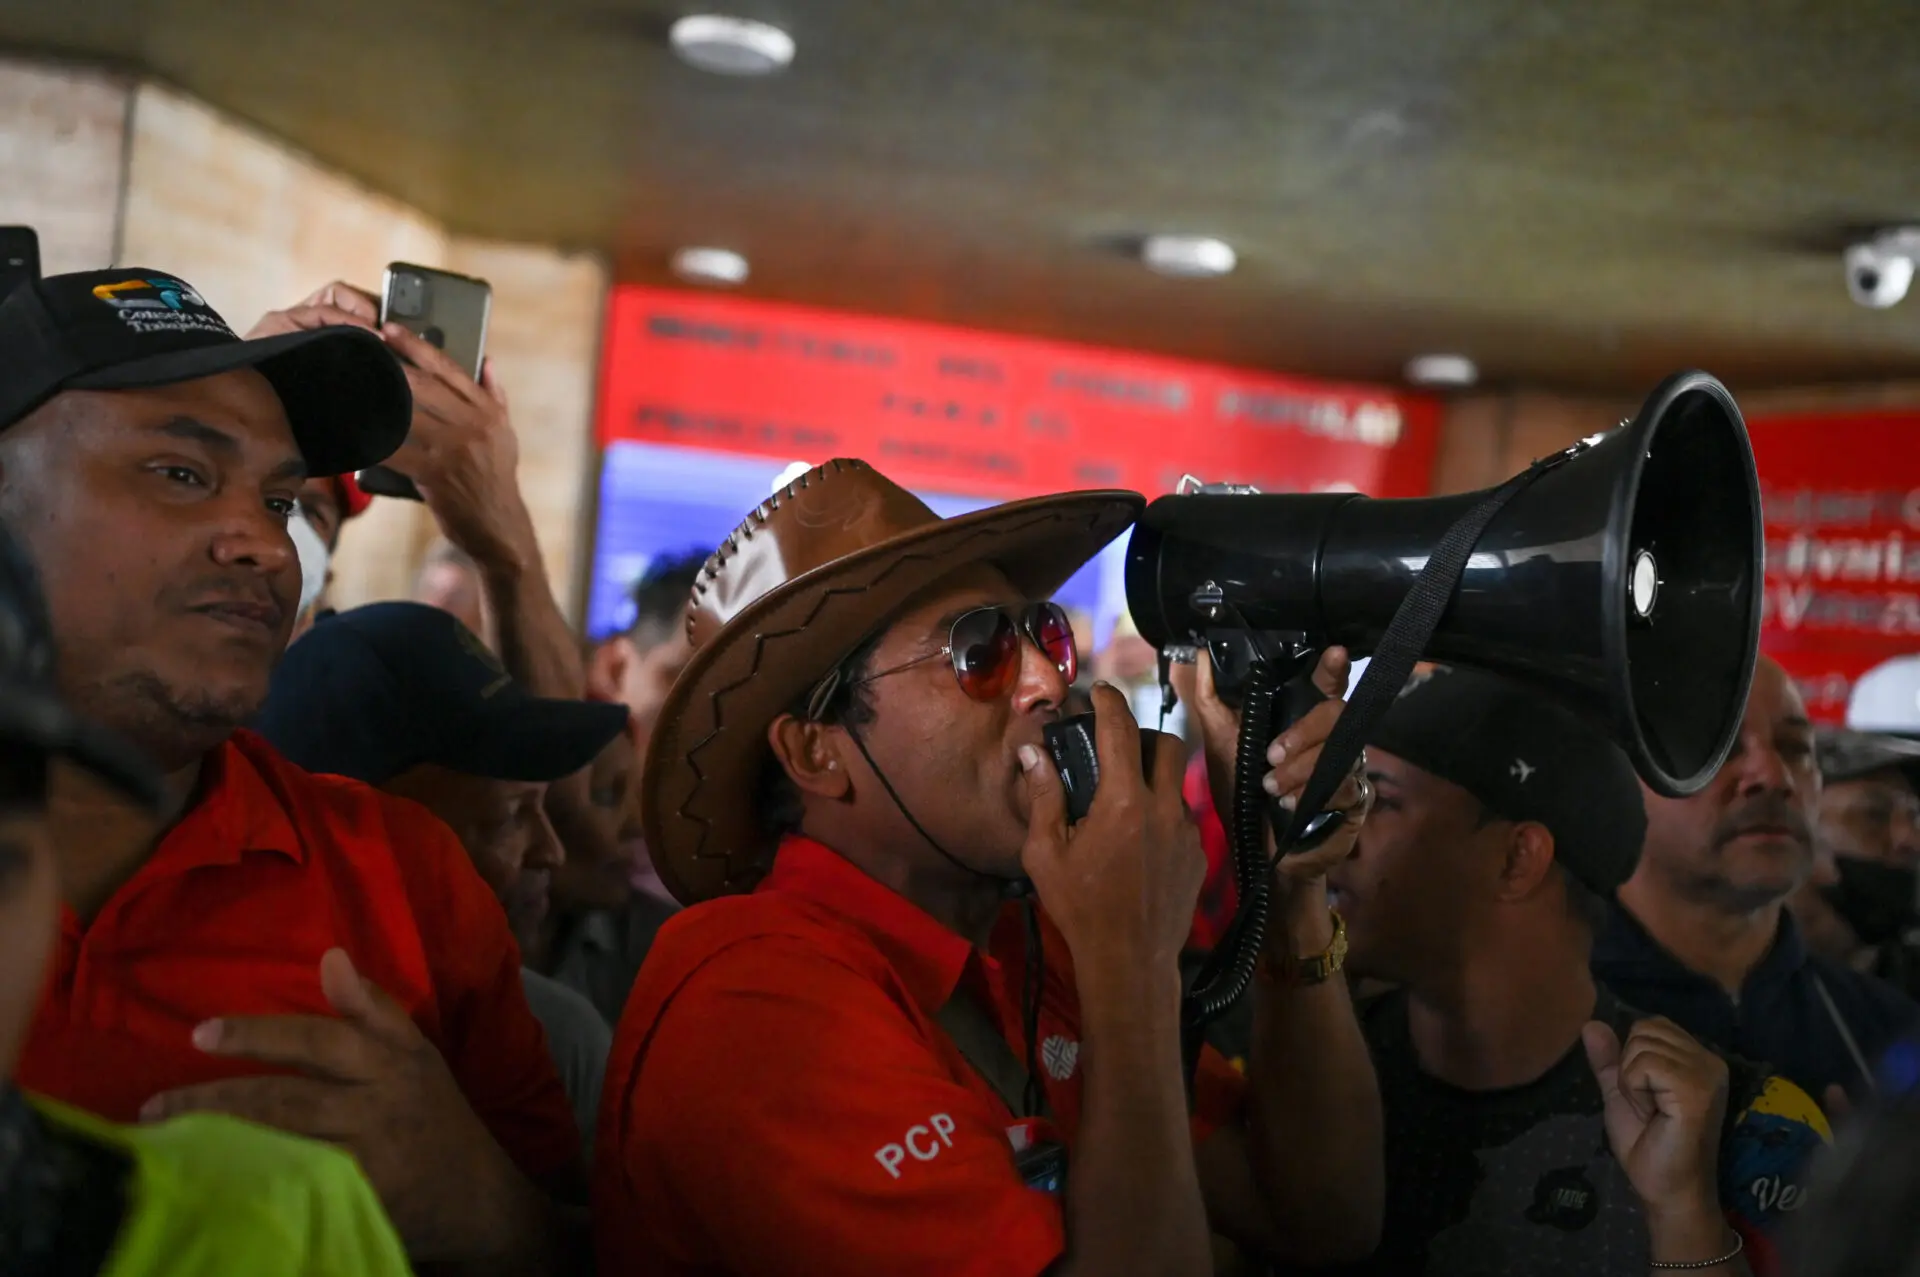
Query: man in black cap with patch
149,461
406,698
1533,1123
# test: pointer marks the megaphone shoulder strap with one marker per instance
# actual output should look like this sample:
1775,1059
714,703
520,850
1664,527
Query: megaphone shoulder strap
979,1041
1405,639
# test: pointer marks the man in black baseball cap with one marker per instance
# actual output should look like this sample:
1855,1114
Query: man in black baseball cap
1861,908
406,698
1870,823
124,385
1518,1096
149,461
389,689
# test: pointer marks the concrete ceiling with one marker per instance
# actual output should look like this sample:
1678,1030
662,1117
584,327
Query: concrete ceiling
1580,196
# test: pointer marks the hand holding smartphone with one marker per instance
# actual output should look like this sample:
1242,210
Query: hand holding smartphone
445,310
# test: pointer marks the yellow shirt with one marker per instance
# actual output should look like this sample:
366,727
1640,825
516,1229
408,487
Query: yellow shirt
215,1195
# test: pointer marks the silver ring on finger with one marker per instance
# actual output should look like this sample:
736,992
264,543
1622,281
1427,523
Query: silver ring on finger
1363,794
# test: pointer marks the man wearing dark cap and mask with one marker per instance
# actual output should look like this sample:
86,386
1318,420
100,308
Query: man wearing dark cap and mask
1534,1124
1860,908
291,968
405,698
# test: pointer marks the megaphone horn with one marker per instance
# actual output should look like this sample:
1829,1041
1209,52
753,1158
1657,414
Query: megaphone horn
1625,582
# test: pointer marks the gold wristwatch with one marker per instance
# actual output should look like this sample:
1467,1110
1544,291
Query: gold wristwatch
1316,968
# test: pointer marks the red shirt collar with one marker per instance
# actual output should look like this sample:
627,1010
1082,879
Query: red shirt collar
930,958
241,808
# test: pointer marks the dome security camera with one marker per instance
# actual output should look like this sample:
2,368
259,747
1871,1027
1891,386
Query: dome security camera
1880,270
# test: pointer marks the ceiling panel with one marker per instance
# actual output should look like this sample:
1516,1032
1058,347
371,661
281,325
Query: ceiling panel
1580,197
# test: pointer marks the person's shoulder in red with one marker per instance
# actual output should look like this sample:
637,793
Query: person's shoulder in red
773,1104
230,916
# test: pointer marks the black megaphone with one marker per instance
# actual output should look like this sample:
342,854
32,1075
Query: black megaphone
1624,581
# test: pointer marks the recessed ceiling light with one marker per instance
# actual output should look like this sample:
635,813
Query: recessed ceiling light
730,46
1187,256
710,266
1452,371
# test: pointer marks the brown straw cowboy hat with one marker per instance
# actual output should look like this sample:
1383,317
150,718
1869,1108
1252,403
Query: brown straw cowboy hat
802,582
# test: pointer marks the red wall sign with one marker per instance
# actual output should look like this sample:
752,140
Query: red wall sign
1842,500
953,410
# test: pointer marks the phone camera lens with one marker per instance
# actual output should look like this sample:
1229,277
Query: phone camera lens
409,296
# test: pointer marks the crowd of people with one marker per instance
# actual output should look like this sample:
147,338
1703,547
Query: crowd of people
756,939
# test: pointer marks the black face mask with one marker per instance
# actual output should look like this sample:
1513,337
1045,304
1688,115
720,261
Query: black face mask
1876,899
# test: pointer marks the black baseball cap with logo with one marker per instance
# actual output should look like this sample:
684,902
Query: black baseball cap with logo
1526,759
131,328
372,692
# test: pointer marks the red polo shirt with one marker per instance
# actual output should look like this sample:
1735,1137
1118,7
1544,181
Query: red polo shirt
780,1098
230,915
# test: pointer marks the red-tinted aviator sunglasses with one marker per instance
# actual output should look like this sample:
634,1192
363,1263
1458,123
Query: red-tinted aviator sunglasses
984,646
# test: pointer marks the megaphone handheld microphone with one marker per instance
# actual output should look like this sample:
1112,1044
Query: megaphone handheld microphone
1621,576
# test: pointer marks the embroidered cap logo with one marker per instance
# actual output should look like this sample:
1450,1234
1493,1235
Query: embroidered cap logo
161,305
481,652
170,294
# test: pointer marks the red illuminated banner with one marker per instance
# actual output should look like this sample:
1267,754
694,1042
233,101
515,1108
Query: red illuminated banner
1842,500
954,410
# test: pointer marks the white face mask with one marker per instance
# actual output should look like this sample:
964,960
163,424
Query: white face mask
313,560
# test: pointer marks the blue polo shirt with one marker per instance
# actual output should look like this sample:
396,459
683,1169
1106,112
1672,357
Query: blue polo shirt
1780,1016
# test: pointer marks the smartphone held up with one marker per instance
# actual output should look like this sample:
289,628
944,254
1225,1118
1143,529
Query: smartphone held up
446,310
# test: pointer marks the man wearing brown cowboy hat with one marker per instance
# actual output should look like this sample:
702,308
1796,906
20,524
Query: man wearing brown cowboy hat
861,1056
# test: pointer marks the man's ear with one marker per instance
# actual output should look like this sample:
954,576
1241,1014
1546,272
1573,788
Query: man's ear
607,668
1529,862
810,754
